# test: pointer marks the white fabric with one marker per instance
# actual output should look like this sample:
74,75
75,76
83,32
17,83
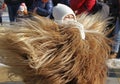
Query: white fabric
105,10
113,63
22,7
60,11
81,29
79,26
3,65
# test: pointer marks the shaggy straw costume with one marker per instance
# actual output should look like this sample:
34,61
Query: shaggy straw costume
42,52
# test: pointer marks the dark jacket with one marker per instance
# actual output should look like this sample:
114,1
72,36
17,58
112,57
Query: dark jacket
13,2
29,4
66,2
114,7
43,9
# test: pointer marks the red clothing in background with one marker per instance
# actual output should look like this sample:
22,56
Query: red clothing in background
82,5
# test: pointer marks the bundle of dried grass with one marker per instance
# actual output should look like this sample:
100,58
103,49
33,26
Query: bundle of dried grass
43,52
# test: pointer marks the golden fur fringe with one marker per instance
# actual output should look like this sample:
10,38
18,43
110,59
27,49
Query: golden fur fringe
42,52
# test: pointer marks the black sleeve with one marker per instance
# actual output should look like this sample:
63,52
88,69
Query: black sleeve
6,1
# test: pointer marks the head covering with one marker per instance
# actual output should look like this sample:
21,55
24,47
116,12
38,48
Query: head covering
22,10
23,4
22,7
60,11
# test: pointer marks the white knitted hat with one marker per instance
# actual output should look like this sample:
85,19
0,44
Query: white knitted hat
60,11
22,7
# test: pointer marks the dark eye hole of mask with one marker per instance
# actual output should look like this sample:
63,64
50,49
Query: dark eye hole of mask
25,56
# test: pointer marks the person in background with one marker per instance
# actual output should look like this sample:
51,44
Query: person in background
13,6
1,12
114,8
114,62
22,11
29,4
42,7
2,7
80,6
116,45
66,2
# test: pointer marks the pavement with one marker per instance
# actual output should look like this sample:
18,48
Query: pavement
112,81
15,82
5,17
113,74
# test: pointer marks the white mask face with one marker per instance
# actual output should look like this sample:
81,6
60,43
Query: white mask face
70,17
66,21
67,18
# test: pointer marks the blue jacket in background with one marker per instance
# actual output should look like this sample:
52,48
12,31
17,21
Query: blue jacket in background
43,9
